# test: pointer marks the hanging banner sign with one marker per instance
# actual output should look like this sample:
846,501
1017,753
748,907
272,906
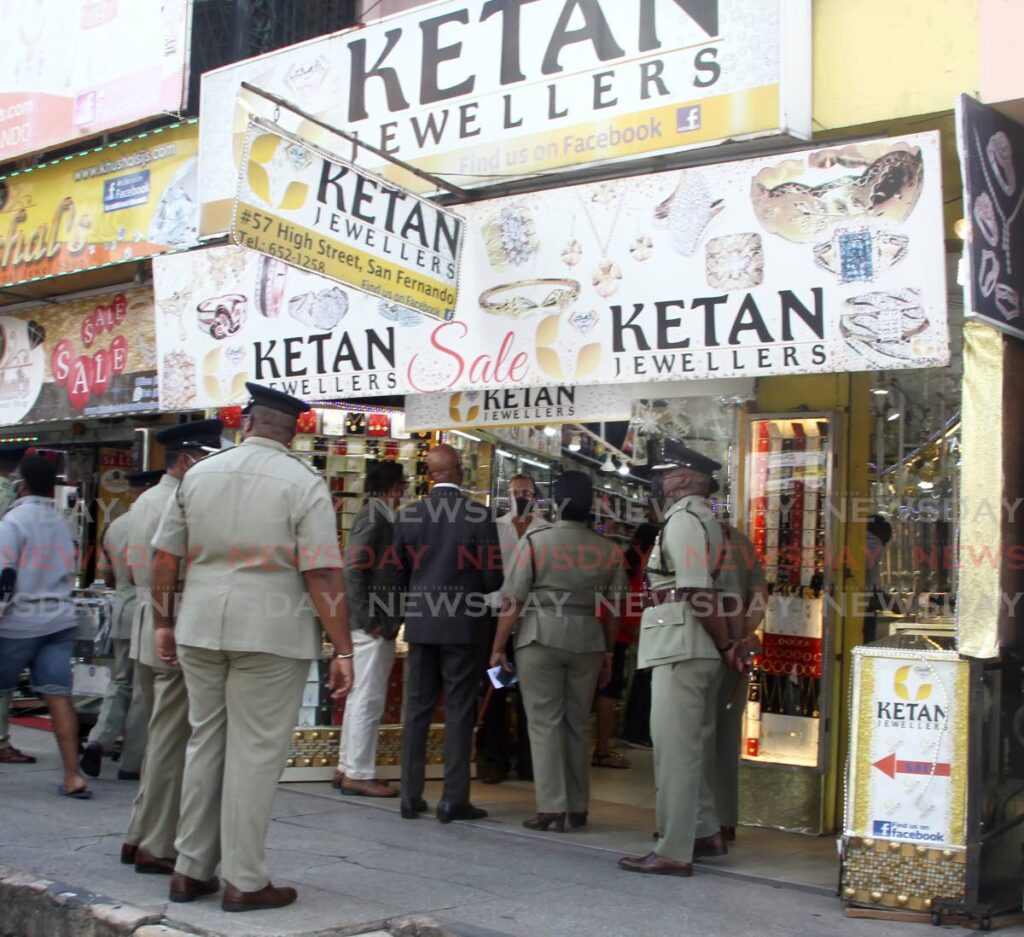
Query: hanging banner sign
512,406
820,261
908,761
487,91
72,69
111,205
87,357
991,149
302,205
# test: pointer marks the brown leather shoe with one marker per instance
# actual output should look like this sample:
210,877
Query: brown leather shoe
338,780
269,896
729,833
9,755
148,864
368,788
707,847
653,864
184,889
128,851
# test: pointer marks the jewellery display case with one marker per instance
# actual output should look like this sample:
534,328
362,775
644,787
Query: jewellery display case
788,498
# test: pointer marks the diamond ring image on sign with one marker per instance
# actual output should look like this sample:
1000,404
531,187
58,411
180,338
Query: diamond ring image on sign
322,309
688,211
525,297
789,201
510,237
176,215
399,314
880,325
553,352
222,316
735,262
270,298
1000,161
860,254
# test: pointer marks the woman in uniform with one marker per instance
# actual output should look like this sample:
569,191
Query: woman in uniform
558,581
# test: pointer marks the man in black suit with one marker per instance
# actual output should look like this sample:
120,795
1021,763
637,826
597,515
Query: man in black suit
448,561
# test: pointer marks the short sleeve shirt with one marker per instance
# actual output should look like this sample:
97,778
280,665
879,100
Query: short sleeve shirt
35,541
115,546
249,521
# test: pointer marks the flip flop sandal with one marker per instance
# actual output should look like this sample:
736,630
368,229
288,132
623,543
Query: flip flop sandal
611,760
83,794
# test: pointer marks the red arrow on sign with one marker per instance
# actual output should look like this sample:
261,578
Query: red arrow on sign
890,766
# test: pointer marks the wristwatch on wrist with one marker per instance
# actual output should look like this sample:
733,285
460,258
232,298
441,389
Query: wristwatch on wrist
345,656
725,650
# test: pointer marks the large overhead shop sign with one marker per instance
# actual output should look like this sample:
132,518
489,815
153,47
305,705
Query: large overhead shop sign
818,261
73,69
487,91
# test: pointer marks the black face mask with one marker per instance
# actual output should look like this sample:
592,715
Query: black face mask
523,506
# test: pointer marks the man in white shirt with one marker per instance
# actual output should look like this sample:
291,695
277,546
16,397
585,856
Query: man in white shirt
39,622
495,746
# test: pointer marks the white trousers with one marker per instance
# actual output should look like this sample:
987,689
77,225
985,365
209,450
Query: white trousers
357,753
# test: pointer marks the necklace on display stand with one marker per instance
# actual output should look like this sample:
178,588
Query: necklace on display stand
608,273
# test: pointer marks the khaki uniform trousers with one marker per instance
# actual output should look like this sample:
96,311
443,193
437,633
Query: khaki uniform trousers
558,689
122,712
684,697
243,707
722,760
154,821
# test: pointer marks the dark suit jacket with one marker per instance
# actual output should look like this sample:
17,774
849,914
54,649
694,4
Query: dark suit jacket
369,572
448,559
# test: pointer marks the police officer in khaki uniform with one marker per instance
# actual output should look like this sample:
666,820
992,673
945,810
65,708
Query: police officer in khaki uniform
257,525
149,842
684,638
744,594
122,712
556,579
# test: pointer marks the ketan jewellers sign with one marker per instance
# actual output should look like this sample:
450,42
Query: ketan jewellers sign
315,211
512,406
508,88
816,261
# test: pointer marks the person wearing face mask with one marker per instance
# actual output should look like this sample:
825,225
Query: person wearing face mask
495,745
149,842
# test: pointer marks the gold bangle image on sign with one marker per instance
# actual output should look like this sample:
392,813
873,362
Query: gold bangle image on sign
525,297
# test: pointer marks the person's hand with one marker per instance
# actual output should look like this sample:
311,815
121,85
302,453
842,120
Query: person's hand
498,659
604,676
166,646
341,677
749,647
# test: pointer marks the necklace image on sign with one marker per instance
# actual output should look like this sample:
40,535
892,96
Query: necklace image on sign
608,273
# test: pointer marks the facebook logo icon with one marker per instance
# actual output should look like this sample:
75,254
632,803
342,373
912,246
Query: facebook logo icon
881,828
688,118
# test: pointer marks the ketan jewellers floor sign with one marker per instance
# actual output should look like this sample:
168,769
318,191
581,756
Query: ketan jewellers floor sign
825,260
315,211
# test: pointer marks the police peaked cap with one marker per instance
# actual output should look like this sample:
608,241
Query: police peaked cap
261,396
144,479
199,434
671,453
13,451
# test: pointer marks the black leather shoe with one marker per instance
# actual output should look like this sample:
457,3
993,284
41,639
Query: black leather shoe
92,758
411,809
446,812
128,775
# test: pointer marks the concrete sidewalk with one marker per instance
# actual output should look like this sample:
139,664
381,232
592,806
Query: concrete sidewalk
361,869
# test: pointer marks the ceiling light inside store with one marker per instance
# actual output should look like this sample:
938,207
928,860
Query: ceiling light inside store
925,485
960,228
624,468
576,443
880,389
458,432
534,463
609,465
550,431
893,415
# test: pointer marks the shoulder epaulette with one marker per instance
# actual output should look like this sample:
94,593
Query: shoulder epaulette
305,464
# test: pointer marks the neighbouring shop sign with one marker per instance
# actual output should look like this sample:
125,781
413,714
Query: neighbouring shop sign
818,261
991,149
315,211
82,67
110,205
487,91
87,357
908,758
511,406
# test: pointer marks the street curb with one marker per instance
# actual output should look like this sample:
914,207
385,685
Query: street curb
40,907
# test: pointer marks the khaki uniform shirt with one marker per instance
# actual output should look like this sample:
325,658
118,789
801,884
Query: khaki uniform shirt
562,572
741,571
687,556
250,520
144,519
116,540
